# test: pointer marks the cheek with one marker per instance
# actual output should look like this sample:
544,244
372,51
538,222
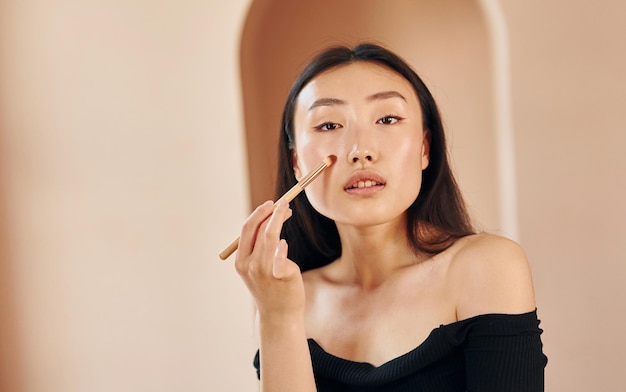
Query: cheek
409,157
315,193
310,153
319,194
406,149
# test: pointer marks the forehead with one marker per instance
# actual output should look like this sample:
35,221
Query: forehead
353,81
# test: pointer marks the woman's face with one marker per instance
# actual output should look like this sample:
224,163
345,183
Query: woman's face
370,118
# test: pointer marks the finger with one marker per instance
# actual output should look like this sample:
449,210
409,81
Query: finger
269,234
273,227
250,230
252,225
283,268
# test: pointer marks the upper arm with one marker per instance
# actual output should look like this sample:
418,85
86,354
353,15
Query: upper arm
506,355
490,274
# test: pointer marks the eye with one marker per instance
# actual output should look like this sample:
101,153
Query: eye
389,120
328,126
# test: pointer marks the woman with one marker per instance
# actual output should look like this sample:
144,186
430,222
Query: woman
379,282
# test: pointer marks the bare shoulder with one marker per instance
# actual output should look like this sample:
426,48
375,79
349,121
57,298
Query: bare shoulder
490,274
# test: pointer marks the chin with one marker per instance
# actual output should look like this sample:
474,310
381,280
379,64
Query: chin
368,218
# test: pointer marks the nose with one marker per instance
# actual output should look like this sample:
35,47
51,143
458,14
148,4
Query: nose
362,142
361,153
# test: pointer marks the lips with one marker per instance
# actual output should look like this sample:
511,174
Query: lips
364,184
364,179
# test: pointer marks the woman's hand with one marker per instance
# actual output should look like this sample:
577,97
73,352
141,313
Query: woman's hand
274,281
276,284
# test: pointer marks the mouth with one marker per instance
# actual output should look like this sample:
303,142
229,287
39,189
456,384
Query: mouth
364,180
364,184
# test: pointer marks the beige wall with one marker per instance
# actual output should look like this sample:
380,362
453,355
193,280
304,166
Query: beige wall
569,89
123,174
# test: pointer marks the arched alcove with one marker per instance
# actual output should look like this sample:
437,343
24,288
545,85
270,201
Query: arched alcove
447,42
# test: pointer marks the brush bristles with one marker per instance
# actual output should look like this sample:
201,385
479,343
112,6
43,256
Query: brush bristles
329,160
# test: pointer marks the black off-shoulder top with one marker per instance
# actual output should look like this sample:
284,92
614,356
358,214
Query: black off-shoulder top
490,352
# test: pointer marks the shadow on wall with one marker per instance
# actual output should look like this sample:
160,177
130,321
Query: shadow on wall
280,36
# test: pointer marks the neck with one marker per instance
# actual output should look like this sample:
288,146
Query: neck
370,255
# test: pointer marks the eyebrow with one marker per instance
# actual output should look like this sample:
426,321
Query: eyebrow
327,102
373,97
386,95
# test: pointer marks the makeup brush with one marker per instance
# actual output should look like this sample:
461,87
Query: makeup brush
288,197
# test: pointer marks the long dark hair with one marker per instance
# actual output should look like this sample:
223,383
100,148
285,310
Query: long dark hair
313,238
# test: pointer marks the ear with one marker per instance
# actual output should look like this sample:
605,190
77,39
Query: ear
294,164
426,149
